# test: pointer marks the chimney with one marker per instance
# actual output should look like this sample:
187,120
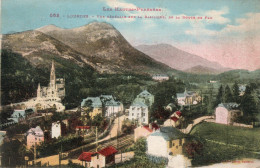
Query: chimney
150,126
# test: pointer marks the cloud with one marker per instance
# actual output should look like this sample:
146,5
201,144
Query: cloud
250,23
217,16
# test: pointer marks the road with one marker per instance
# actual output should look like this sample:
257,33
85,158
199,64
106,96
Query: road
195,122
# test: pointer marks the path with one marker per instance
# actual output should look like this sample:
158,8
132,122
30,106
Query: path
115,127
195,122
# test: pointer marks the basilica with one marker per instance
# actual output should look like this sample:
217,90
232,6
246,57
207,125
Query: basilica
51,96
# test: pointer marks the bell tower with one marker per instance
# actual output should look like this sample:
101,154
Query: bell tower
53,76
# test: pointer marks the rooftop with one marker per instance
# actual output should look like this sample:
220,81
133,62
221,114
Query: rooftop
168,133
96,102
110,150
86,156
229,106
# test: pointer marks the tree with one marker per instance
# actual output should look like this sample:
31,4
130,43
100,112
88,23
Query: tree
249,106
227,95
219,96
235,90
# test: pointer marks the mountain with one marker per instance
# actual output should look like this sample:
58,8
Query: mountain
98,45
202,70
105,48
179,59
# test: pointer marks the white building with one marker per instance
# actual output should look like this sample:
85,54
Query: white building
138,111
161,77
112,107
49,97
226,113
188,97
56,130
145,97
165,141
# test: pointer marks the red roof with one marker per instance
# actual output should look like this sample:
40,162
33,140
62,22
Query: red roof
174,118
86,156
110,150
154,126
178,113
82,127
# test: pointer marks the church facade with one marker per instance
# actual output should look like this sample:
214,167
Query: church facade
51,96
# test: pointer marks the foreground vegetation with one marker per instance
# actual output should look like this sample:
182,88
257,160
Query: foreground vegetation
245,137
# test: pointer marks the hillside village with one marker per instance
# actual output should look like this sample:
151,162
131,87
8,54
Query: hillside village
159,124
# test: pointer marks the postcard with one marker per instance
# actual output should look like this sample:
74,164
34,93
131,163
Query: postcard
128,83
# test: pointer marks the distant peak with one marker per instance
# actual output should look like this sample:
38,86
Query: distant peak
100,24
48,28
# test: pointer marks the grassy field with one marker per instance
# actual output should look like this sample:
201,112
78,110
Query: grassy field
248,138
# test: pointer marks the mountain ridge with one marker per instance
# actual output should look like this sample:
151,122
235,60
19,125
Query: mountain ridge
97,44
178,59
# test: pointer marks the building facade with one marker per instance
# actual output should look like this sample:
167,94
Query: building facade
51,96
112,107
164,142
56,130
188,98
92,105
138,112
226,113
35,136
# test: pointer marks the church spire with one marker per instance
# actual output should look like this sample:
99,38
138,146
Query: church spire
52,76
39,90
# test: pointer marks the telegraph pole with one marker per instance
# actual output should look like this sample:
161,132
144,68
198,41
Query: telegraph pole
96,139
34,153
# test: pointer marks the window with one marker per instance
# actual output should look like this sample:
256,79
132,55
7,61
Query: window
97,156
177,147
132,114
180,142
143,119
170,144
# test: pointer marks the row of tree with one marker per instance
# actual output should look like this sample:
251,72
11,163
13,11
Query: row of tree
248,101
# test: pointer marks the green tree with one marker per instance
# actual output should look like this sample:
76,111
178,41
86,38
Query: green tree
249,106
235,90
227,95
219,98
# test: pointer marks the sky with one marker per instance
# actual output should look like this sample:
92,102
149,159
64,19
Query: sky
224,31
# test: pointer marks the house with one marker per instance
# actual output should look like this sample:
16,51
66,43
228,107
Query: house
160,77
56,130
2,136
242,89
20,114
188,97
82,129
138,111
145,97
165,141
102,158
86,157
174,120
144,131
112,107
93,103
170,107
35,136
226,113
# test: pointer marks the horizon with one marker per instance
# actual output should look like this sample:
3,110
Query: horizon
230,38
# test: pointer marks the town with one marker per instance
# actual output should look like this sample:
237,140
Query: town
164,123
